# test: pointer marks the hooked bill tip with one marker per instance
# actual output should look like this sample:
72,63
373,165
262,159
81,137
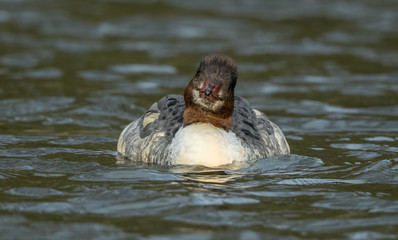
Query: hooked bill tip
208,91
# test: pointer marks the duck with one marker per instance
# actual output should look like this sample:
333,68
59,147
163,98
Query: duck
207,126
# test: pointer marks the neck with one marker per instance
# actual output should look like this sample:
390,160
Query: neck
196,114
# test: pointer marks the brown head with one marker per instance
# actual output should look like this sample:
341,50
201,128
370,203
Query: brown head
209,96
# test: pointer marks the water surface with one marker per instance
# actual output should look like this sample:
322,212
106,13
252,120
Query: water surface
73,74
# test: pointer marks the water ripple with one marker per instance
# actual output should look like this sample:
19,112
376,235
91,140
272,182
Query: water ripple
143,68
34,192
20,107
71,79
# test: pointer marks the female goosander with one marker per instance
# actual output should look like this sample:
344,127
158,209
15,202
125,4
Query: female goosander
207,126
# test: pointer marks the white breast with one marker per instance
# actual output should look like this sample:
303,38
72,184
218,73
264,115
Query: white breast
204,144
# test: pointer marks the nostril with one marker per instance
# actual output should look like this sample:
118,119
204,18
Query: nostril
208,91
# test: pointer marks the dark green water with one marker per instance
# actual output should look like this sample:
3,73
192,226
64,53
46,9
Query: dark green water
74,73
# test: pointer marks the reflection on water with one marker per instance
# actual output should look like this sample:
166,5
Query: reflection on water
73,74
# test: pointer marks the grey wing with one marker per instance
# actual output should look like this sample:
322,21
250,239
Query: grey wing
147,139
258,133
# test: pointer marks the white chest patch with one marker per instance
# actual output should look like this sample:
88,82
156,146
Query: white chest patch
204,144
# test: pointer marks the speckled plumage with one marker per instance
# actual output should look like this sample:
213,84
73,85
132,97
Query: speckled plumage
150,143
207,126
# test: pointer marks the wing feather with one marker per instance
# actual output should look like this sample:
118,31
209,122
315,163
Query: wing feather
147,138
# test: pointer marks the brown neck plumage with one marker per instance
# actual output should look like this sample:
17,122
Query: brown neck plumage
194,113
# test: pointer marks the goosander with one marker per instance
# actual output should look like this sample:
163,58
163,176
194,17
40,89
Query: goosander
207,126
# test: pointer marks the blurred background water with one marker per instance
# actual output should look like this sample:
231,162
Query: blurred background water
74,73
